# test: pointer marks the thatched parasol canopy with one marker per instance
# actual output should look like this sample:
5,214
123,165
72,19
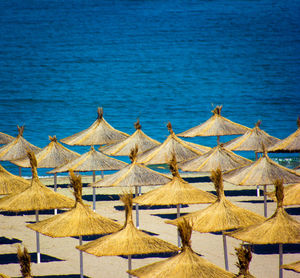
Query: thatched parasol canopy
5,138
289,144
292,266
36,197
10,183
90,161
138,138
53,155
78,221
291,195
163,153
17,148
280,228
218,157
99,133
134,174
175,192
217,125
221,215
128,241
252,140
186,264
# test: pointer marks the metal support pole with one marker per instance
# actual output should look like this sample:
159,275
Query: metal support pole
129,265
94,199
20,171
225,251
257,187
218,140
265,201
81,258
280,260
55,189
178,235
38,252
137,208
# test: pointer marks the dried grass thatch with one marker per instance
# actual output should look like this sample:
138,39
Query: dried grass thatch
263,171
163,153
25,262
4,276
280,228
134,174
17,148
36,197
5,138
53,155
289,144
218,157
78,221
187,264
217,125
292,266
91,161
99,133
244,256
291,195
138,138
221,215
175,192
252,140
128,241
10,183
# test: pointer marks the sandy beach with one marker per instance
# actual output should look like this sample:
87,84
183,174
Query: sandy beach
60,258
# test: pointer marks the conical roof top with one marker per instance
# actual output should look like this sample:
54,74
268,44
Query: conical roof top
175,192
291,195
186,264
5,138
218,157
35,197
124,147
292,266
17,148
279,228
90,161
78,221
163,153
134,174
128,241
252,140
10,183
244,256
221,215
263,171
289,144
53,155
217,125
99,133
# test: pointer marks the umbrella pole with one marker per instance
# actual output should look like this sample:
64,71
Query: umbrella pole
218,140
38,253
137,207
225,251
55,188
280,260
178,235
20,171
257,187
265,201
81,258
94,192
129,265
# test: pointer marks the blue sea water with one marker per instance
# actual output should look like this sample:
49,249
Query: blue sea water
157,60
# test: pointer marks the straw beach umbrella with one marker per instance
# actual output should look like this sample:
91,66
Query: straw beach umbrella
220,216
5,138
17,148
138,138
162,154
264,172
176,192
36,197
10,183
217,125
186,264
280,228
128,241
78,221
99,133
292,266
134,174
289,144
291,195
218,157
91,161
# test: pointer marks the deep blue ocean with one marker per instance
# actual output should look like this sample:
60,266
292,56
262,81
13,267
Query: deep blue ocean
157,60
